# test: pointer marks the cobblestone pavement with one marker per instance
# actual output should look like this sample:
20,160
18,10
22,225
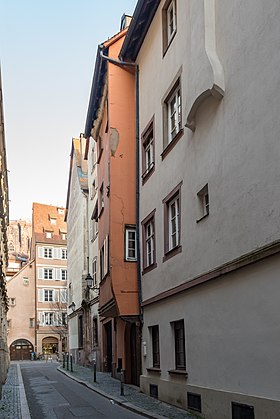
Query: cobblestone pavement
133,399
10,402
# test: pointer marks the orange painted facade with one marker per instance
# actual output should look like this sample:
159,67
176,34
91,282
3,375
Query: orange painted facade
116,172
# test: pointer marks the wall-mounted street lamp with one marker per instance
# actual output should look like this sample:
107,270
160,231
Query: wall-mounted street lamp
89,282
72,306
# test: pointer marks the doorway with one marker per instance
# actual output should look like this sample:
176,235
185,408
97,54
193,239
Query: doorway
108,343
20,350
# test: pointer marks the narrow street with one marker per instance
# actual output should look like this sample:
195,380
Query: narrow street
51,394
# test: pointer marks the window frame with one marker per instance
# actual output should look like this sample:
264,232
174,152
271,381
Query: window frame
179,345
174,92
167,36
204,203
155,346
148,138
172,197
48,271
130,229
148,220
48,296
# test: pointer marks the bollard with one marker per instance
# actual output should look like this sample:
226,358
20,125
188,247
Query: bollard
63,362
67,361
94,371
71,363
122,382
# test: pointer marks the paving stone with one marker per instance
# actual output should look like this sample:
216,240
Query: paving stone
110,387
10,402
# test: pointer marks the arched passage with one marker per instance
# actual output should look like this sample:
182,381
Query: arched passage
50,345
21,350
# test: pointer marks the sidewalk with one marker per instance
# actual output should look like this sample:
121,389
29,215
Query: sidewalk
10,402
133,399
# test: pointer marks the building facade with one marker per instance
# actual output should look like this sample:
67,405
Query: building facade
82,302
209,203
4,221
111,124
19,245
21,315
49,250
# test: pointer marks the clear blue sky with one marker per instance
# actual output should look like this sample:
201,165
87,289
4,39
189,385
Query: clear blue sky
47,53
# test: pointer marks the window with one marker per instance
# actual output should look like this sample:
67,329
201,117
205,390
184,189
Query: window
31,322
48,295
169,23
94,223
48,273
60,211
179,336
63,236
63,253
203,200
104,257
53,221
9,323
94,266
94,332
155,346
63,318
130,243
63,274
48,234
194,401
101,196
49,319
80,332
172,116
173,105
172,221
242,411
149,242
148,151
48,252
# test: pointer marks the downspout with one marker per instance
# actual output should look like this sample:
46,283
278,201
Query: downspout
125,63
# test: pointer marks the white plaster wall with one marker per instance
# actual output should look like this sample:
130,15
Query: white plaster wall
232,334
235,148
75,237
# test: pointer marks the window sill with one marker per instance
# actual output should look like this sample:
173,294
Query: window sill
202,218
182,373
154,370
147,174
149,268
171,253
172,144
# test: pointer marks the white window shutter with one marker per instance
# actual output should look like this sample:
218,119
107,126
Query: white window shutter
40,252
63,298
40,273
106,254
57,274
40,295
55,254
41,319
55,295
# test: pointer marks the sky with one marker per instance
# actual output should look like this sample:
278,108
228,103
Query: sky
47,53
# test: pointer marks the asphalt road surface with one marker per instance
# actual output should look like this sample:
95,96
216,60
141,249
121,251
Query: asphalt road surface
51,395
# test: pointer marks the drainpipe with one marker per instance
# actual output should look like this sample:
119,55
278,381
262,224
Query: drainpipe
125,63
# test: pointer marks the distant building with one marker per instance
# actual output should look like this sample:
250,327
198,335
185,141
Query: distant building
49,250
4,221
19,234
21,314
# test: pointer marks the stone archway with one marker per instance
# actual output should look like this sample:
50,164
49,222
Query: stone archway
20,350
50,345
